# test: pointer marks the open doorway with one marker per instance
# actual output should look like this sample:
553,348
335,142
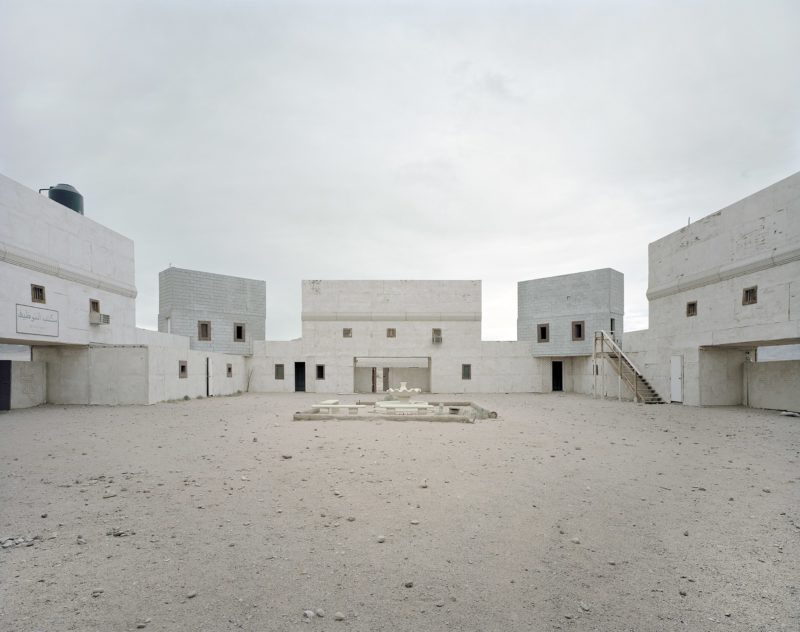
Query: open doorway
558,375
299,377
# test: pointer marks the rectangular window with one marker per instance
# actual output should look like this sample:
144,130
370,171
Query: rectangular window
183,369
238,332
203,330
37,293
278,371
466,371
230,370
320,371
436,336
391,332
94,305
691,308
613,325
543,332
749,295
577,329
347,332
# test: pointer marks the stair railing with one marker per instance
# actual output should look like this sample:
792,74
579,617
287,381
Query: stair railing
609,345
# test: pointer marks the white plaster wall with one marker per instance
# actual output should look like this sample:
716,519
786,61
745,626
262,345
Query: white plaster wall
118,375
189,296
774,385
261,366
67,373
74,258
721,377
594,297
28,384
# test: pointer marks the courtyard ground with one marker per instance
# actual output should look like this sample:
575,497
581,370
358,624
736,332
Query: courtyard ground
565,513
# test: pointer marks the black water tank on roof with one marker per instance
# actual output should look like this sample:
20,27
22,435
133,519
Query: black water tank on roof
68,196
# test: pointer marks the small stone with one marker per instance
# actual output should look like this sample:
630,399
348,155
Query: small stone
682,593
727,614
309,614
351,519
97,592
191,595
319,612
584,607
44,515
575,540
686,533
415,522
381,539
338,616
440,604
767,490
141,625
409,584
255,439
286,456
80,540
424,484
612,562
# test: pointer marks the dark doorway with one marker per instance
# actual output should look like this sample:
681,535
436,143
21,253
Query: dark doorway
385,379
558,375
374,378
299,377
5,384
208,377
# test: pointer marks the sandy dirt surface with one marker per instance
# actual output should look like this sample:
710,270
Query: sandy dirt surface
566,513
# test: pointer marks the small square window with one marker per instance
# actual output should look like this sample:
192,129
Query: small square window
94,306
436,336
691,308
230,370
466,371
347,332
278,371
238,332
37,293
750,295
543,332
391,332
320,371
203,330
577,329
183,369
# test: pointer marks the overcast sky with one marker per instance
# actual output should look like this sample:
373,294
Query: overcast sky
399,140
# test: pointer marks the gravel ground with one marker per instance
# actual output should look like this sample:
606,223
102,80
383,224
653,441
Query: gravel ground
566,513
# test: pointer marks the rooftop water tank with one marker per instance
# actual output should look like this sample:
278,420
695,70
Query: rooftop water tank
68,196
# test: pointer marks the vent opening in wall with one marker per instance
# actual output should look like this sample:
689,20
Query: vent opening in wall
691,308
94,305
37,294
183,369
466,371
320,371
278,371
543,332
238,332
577,329
204,330
230,370
347,332
436,336
391,332
750,295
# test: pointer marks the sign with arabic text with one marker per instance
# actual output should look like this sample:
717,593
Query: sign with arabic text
37,320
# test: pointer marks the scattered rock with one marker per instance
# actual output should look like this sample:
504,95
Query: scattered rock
338,616
286,456
44,515
409,584
381,539
575,540
440,604
80,540
120,533
351,518
415,522
319,612
682,593
309,614
584,607
686,533
767,490
191,595
97,592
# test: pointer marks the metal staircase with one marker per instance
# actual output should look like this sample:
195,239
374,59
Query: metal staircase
606,348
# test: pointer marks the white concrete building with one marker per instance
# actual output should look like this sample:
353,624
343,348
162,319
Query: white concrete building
719,289
219,313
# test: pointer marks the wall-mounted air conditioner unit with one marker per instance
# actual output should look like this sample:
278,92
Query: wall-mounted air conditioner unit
96,318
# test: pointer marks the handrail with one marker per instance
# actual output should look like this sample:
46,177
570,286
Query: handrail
617,349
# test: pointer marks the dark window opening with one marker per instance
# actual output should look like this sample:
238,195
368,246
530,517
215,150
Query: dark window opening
230,370
94,305
436,336
391,332
543,333
37,293
183,369
238,332
750,295
613,326
278,371
203,330
577,329
466,371
320,371
691,308
347,332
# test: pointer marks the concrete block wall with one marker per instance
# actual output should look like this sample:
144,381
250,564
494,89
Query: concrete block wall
28,384
773,385
594,297
75,259
189,296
